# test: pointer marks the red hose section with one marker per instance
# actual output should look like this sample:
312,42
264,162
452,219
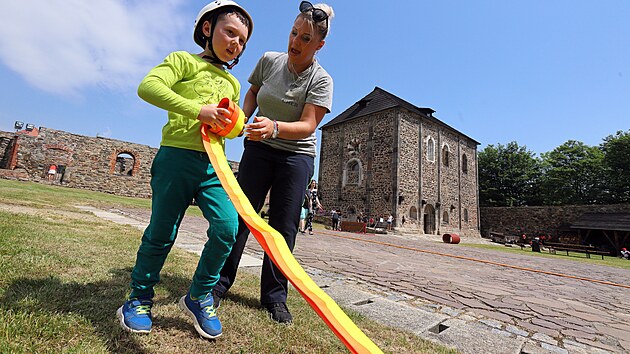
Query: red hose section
480,261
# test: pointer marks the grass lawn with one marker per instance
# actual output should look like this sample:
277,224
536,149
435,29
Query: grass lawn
63,274
575,256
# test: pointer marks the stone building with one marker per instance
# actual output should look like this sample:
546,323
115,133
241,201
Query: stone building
99,164
385,155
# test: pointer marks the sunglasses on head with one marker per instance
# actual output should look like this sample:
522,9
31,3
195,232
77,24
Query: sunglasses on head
319,15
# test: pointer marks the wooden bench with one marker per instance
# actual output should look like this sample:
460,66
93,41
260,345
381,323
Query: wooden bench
501,238
588,250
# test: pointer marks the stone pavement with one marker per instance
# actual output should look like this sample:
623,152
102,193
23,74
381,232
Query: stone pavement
473,306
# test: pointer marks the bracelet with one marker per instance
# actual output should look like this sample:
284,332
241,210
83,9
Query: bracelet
276,131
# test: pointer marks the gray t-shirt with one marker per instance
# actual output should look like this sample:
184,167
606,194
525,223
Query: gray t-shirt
282,96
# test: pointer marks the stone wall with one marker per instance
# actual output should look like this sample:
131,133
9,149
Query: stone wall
99,164
541,220
6,144
396,175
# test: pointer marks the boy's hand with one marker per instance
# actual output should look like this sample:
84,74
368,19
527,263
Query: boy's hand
214,116
260,129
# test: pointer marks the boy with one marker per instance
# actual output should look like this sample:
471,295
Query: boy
189,86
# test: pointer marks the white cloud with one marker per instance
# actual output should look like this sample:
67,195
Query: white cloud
64,46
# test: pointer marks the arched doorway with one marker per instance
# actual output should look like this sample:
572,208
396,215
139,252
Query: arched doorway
429,219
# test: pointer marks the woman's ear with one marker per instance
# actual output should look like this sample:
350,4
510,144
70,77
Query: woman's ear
321,44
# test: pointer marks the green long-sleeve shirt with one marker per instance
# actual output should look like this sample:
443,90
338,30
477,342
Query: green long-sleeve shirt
182,84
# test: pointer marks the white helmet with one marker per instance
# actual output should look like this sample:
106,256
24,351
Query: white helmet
213,6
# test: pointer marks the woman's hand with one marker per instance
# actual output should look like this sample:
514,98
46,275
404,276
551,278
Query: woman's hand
260,129
214,116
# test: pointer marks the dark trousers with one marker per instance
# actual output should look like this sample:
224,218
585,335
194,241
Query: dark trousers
286,174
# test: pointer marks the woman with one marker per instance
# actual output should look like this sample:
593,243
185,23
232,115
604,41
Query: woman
292,93
313,206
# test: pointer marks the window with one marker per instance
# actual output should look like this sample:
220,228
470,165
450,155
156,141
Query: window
445,217
466,215
352,172
465,164
430,149
445,157
413,213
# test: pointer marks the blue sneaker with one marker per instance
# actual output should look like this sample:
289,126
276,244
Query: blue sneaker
135,315
204,315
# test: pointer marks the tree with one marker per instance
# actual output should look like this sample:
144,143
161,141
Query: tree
508,176
573,174
616,161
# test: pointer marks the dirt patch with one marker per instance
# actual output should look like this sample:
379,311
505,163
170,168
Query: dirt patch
44,213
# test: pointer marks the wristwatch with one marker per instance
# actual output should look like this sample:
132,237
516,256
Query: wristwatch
275,130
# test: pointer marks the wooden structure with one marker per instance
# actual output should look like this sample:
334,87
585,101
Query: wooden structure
615,227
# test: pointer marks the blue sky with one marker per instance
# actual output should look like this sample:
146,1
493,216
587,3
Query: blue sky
536,72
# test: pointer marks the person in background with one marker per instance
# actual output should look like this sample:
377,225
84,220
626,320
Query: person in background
303,214
313,205
189,86
335,219
52,172
625,254
292,92
536,244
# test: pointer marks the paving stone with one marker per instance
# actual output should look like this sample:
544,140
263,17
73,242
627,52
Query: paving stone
502,333
597,344
495,315
492,323
533,328
437,293
541,337
476,338
587,316
578,334
554,348
493,303
464,294
451,311
564,322
549,303
543,311
582,307
611,331
467,318
516,314
484,295
474,303
516,330
544,323
495,291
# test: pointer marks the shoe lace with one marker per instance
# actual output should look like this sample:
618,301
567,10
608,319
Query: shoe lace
210,311
143,309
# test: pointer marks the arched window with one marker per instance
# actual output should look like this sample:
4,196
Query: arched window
466,215
352,172
125,163
445,217
445,157
431,149
413,213
465,164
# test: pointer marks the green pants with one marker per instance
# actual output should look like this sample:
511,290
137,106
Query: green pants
178,176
